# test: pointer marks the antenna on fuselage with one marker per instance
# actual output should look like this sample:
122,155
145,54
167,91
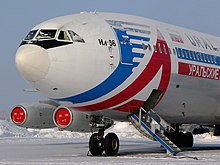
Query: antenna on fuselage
95,11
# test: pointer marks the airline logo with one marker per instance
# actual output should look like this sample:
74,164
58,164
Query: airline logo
133,41
176,38
120,100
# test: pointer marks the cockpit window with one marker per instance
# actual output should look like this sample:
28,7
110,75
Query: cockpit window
46,34
75,37
30,35
63,36
51,38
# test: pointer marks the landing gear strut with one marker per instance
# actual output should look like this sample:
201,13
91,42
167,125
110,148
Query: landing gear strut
98,144
200,130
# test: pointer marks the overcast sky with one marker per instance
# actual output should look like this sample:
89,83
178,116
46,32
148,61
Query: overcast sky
17,17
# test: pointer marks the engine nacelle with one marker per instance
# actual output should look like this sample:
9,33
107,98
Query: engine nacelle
72,120
37,115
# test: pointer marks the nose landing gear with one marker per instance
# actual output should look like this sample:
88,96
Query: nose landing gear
98,144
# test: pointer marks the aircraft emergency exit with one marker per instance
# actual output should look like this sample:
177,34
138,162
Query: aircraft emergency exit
97,68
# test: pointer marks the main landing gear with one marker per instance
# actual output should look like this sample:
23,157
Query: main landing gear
180,139
98,144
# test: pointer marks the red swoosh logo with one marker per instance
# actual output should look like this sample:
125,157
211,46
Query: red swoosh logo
157,61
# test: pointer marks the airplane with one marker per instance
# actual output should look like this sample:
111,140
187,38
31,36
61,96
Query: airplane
97,68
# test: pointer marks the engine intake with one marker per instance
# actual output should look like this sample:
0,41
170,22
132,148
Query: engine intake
72,120
63,117
35,115
19,115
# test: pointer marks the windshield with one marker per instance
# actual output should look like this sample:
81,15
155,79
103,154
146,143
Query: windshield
30,35
50,38
46,34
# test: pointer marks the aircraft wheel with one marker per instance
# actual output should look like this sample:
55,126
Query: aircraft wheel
96,144
188,139
217,130
177,138
111,144
180,138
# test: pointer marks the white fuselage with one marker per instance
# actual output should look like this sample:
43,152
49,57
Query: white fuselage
116,62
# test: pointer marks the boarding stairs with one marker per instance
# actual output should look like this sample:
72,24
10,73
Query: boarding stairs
152,126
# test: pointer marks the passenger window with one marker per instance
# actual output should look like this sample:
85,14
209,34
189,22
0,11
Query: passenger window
197,56
193,55
190,55
174,52
160,50
170,51
186,53
215,59
204,56
181,53
211,59
178,51
63,36
149,47
208,58
201,58
164,49
75,37
155,48
144,46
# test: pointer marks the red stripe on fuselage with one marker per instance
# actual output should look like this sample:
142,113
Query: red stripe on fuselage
158,60
131,106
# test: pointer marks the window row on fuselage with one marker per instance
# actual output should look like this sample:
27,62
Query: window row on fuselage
187,54
197,56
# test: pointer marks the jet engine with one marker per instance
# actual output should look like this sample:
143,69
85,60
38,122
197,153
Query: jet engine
36,115
73,120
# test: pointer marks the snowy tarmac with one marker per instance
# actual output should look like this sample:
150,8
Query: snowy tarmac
19,146
37,151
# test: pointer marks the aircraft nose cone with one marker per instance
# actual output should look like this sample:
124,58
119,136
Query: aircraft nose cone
32,62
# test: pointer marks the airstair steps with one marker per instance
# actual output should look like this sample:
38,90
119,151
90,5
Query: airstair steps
145,123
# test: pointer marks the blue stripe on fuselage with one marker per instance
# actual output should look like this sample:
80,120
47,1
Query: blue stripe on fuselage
121,73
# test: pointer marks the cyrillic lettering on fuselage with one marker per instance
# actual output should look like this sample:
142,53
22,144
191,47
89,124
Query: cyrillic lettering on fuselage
200,42
103,42
199,71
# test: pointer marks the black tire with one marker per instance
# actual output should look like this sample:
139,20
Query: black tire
217,130
188,140
111,144
180,141
96,145
177,138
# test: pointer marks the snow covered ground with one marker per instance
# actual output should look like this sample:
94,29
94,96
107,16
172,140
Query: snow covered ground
50,146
